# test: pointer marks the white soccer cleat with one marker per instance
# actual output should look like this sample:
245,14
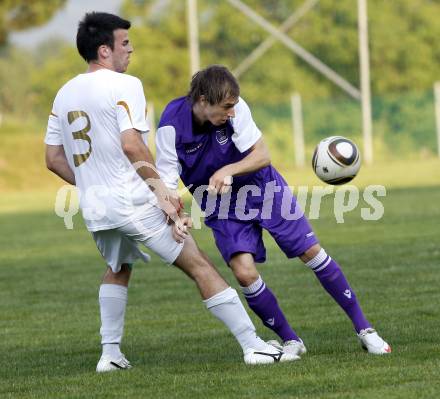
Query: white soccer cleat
268,355
106,363
293,347
373,343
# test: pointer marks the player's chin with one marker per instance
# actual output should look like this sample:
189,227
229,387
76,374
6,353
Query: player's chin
122,69
125,66
220,122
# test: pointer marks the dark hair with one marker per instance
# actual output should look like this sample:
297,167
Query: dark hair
96,29
215,82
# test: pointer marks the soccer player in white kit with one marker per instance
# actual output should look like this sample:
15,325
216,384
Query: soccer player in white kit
95,140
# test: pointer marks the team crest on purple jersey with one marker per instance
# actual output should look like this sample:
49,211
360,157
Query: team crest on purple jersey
221,136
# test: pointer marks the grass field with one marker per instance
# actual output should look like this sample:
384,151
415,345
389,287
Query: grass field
49,323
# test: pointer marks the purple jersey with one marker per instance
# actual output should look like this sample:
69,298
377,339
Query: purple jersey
200,153
203,150
256,200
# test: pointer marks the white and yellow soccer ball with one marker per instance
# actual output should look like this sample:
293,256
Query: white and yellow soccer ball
336,160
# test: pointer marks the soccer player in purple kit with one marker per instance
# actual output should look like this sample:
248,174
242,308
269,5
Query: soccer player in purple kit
104,109
209,139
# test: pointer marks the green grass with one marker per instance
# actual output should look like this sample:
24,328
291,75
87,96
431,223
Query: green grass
49,322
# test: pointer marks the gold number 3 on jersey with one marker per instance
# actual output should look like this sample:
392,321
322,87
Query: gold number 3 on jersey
78,159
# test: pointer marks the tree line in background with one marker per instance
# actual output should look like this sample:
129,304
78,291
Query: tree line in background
17,15
404,51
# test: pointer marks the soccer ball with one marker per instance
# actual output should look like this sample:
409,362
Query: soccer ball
336,160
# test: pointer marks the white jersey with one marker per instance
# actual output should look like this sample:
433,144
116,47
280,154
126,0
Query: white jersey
89,114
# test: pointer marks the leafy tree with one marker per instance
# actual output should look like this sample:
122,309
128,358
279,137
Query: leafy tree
159,38
45,81
14,93
405,52
16,15
404,49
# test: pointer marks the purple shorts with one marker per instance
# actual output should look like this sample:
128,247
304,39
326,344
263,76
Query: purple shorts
233,235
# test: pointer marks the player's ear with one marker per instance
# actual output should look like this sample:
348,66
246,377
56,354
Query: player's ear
202,99
104,51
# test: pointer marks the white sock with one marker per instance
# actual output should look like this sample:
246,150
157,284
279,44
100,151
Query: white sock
112,350
112,301
227,307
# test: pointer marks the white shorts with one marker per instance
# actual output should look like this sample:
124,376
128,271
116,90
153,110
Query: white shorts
120,245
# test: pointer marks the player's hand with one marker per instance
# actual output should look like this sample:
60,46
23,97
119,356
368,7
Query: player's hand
169,210
171,205
176,201
220,182
181,228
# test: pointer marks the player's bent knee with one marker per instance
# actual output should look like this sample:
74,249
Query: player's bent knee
245,276
311,253
243,267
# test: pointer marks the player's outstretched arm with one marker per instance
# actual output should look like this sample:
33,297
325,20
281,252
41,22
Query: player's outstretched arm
257,159
56,162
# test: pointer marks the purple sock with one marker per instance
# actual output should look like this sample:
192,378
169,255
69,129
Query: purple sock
263,302
333,280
